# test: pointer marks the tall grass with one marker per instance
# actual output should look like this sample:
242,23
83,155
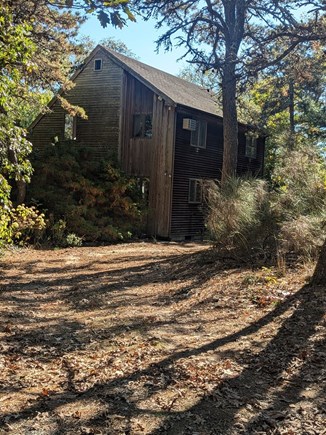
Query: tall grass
251,218
238,217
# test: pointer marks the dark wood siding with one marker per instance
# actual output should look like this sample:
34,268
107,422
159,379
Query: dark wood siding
99,93
191,162
149,157
188,219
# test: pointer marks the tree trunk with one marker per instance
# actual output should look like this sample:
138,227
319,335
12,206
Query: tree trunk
21,191
291,112
20,182
319,276
230,121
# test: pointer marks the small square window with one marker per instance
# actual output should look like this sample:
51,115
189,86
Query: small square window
70,127
143,126
251,146
198,136
97,64
195,194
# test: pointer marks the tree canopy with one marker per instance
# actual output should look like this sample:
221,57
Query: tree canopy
38,42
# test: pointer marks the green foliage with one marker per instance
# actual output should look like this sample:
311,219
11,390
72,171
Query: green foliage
29,110
57,232
295,86
14,143
4,210
27,224
20,225
300,181
73,240
4,192
92,199
16,51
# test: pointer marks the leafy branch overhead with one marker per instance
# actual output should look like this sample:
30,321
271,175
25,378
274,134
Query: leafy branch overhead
116,12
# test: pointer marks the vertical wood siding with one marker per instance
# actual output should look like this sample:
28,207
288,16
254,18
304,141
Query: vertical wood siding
149,157
190,162
99,93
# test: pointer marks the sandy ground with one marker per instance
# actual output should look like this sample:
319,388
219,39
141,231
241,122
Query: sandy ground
158,338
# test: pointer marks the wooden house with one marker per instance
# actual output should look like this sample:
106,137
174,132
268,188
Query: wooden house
164,130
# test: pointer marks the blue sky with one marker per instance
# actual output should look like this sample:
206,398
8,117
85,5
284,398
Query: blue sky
140,39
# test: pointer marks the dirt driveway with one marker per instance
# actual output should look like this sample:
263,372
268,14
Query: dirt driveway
158,338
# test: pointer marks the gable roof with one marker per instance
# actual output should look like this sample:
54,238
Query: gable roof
174,89
179,91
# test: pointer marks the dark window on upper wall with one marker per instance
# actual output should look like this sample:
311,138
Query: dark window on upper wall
143,125
198,136
97,64
195,194
70,127
251,146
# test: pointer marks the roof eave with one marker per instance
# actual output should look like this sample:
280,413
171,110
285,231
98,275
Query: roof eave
200,110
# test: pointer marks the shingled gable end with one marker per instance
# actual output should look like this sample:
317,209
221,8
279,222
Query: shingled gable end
162,128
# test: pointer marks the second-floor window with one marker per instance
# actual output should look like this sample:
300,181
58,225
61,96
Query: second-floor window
97,64
198,136
70,127
143,127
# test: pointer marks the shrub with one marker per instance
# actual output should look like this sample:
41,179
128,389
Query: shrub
27,224
92,199
302,235
73,240
5,205
21,224
300,183
250,218
238,217
300,202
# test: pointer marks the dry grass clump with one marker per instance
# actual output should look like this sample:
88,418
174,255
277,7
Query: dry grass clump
239,216
253,218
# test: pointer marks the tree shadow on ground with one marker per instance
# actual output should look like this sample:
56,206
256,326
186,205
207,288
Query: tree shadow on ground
267,393
273,380
271,383
96,284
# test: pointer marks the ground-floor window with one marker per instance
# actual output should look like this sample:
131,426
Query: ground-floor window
195,194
